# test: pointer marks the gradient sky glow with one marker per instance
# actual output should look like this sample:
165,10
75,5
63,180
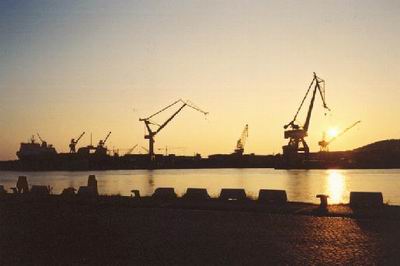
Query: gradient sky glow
97,66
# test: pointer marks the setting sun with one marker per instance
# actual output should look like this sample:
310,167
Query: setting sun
333,132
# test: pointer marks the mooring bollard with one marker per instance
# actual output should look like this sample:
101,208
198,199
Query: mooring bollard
323,201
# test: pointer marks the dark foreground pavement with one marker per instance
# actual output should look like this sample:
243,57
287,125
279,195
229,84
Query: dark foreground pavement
71,233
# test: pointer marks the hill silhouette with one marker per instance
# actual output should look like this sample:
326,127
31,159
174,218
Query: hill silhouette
389,145
380,154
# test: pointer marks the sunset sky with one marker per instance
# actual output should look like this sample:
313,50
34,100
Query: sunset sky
98,66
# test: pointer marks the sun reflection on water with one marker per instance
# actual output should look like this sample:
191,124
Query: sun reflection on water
336,186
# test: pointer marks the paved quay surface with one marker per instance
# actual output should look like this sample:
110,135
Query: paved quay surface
69,233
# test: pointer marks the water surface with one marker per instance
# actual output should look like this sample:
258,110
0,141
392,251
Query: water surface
301,185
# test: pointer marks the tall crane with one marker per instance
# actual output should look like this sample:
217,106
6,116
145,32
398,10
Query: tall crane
148,123
242,141
73,143
324,145
297,133
101,150
103,142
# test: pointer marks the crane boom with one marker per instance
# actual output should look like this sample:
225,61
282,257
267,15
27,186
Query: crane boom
192,105
344,131
325,144
108,135
169,119
79,138
242,141
162,110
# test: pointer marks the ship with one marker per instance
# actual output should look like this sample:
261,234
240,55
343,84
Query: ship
36,151
33,155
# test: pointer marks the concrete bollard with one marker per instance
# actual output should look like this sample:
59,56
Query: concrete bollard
232,194
366,199
91,189
92,184
196,194
22,185
272,196
164,193
135,193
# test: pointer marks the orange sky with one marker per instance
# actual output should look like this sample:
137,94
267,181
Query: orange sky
98,66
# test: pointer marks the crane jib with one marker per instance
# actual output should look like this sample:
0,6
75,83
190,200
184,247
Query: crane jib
152,133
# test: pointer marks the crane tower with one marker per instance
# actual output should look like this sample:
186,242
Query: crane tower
242,141
296,133
72,145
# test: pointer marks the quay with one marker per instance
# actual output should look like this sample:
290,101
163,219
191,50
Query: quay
114,230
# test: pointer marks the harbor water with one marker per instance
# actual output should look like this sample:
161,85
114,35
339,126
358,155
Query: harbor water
301,185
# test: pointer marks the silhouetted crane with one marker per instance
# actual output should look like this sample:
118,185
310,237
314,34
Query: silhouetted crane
101,150
152,133
73,143
296,133
103,142
242,141
324,145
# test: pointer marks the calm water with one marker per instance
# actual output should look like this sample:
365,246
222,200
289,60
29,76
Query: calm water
301,185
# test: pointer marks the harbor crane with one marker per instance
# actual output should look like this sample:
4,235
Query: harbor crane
103,142
148,123
324,145
73,143
296,133
101,149
242,141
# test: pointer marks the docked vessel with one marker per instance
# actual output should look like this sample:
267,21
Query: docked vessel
36,151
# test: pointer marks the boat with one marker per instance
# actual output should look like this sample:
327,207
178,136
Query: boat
36,151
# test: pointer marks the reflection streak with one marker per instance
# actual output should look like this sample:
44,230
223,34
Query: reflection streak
336,186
